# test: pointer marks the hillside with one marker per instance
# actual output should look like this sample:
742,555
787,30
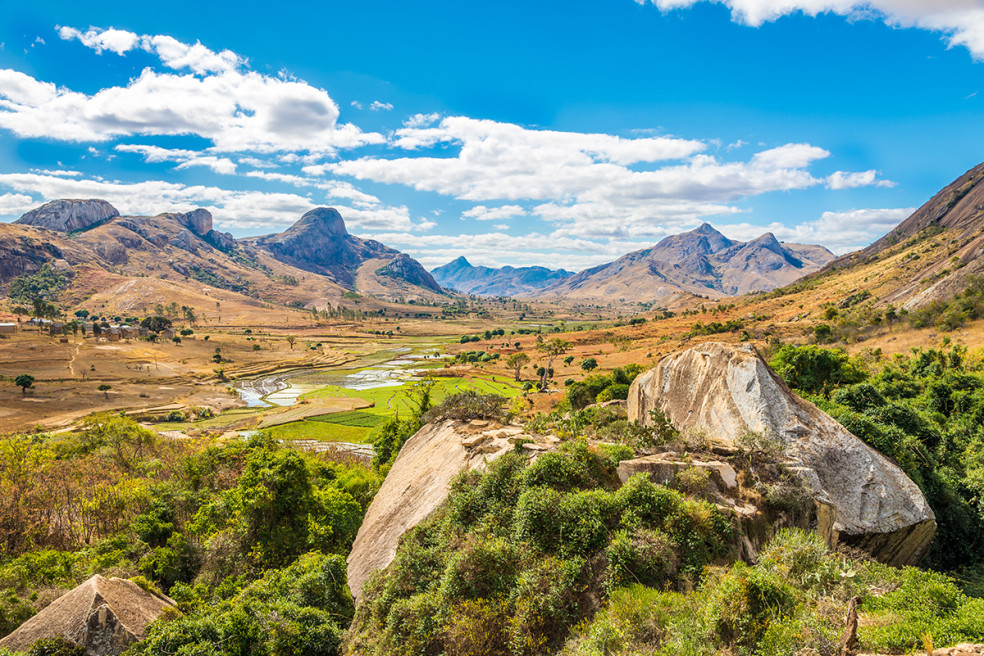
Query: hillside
936,250
460,275
700,262
313,264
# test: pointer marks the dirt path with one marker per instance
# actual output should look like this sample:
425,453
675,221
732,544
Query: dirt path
71,363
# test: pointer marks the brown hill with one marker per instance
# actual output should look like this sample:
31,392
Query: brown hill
167,257
700,262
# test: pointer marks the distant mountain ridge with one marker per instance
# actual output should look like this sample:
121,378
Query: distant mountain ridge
702,261
460,275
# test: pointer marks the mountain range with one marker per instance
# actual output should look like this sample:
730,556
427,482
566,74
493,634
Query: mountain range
135,262
146,259
460,275
700,262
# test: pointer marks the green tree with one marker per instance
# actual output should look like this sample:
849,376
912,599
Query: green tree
24,381
104,388
516,362
156,324
552,348
291,340
589,364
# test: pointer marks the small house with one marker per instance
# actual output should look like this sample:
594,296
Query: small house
8,328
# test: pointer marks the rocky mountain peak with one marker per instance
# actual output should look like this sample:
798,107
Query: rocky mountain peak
69,215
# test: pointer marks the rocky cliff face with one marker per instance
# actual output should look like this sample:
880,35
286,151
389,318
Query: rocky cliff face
864,500
67,215
460,275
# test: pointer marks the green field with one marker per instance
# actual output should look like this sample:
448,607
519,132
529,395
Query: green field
387,402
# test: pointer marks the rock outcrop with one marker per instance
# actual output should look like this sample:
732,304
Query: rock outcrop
198,221
102,615
418,483
69,215
864,499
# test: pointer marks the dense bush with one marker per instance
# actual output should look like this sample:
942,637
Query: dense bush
815,369
201,521
925,410
467,405
793,601
599,388
46,282
518,555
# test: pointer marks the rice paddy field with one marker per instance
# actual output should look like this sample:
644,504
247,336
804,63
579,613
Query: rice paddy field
344,404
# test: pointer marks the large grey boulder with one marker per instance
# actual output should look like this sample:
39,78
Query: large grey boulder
418,483
864,499
102,615
68,215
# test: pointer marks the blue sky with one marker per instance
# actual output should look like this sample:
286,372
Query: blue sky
559,134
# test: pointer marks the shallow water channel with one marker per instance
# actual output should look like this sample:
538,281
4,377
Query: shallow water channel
390,368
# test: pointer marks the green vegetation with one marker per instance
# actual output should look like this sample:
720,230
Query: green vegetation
46,282
599,388
792,602
248,537
925,410
520,554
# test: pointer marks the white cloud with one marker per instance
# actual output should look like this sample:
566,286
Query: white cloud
118,41
184,158
220,100
483,213
846,180
378,106
590,185
422,120
961,22
15,204
498,249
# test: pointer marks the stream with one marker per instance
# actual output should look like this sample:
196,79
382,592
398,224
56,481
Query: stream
285,387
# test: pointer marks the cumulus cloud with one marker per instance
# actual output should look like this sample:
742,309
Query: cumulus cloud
483,213
118,41
378,106
219,99
590,185
184,158
498,248
15,204
845,180
961,22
